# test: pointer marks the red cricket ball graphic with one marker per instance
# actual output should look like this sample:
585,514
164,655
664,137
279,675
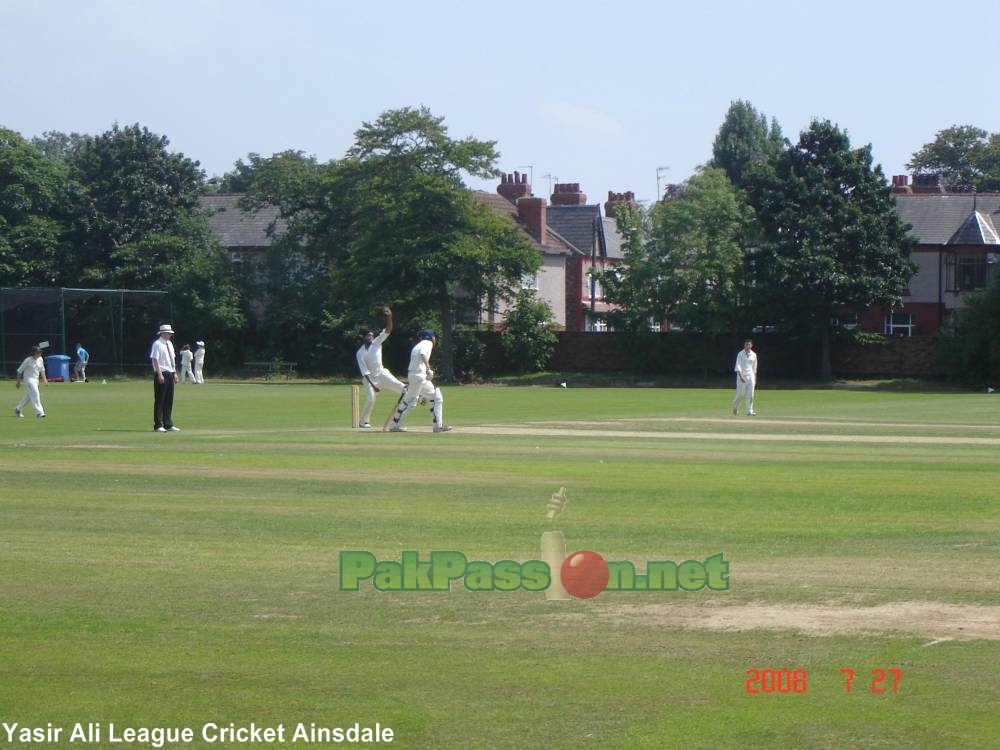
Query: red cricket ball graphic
584,574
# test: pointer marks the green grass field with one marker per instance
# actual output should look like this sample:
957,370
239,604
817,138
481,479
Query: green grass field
151,580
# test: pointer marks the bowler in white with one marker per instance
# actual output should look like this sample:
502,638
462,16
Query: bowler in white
374,375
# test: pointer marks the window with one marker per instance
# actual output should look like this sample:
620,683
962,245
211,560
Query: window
899,324
597,326
590,279
964,273
846,320
530,280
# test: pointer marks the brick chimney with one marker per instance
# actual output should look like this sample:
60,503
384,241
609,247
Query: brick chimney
534,214
901,184
514,186
614,198
928,183
568,194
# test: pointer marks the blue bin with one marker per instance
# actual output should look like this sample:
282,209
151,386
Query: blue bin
57,368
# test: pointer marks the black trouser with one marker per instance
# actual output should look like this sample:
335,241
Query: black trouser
163,400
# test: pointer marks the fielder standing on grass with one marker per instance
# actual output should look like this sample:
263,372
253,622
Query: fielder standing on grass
420,386
186,357
199,363
31,370
82,358
374,375
746,377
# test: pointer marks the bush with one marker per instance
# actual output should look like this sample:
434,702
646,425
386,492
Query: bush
468,352
528,340
969,342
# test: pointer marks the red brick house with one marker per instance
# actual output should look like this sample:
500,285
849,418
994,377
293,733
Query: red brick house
957,251
572,237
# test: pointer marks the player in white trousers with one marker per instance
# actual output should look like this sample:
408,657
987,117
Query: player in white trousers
746,377
420,386
199,363
30,371
186,357
375,376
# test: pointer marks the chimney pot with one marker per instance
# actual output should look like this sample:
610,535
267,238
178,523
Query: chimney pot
533,212
568,194
514,186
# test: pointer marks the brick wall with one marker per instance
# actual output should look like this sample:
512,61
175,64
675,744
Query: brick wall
678,353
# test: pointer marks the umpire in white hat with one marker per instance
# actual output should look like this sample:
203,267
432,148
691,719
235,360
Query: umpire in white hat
164,376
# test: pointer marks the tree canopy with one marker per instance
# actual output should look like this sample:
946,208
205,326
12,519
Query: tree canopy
683,259
964,156
830,236
745,139
34,214
116,210
392,223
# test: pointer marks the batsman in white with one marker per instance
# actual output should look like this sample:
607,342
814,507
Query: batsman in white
420,386
374,375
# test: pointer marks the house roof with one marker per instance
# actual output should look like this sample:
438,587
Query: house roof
578,225
614,241
951,218
977,229
554,243
234,227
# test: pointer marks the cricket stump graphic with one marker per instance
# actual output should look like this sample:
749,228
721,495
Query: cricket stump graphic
582,575
554,548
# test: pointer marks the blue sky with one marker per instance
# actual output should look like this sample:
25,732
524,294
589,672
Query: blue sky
598,93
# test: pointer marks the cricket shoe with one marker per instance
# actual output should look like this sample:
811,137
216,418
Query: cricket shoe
734,411
442,428
40,416
173,429
160,429
397,428
17,413
751,414
365,425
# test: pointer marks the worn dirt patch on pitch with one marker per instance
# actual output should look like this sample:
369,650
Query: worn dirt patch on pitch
930,619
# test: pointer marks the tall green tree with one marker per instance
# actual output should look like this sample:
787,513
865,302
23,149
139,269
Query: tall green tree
639,290
697,240
142,227
34,214
415,235
964,156
683,261
136,188
745,139
830,236
58,146
292,283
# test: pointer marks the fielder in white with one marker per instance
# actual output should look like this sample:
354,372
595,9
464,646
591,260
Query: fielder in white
420,388
199,363
374,376
186,358
746,377
31,369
